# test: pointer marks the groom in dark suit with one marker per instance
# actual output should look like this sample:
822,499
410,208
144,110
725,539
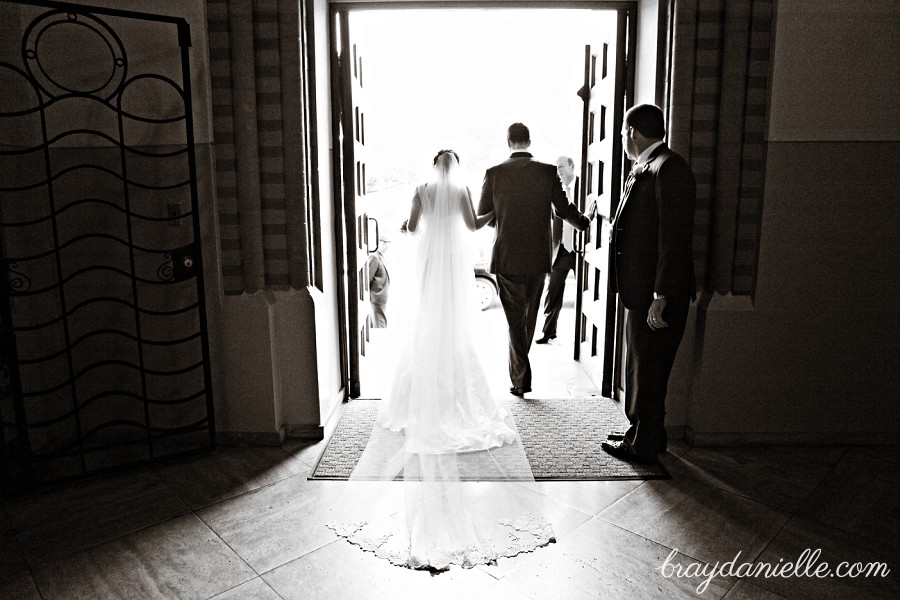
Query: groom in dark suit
653,273
523,193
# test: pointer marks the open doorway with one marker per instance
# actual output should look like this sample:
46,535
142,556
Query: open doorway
408,83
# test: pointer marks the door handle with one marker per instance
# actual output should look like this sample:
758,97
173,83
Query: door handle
371,220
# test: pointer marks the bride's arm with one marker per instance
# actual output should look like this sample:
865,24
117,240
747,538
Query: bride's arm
468,212
472,222
414,212
483,220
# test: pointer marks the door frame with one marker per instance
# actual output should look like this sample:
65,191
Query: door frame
345,225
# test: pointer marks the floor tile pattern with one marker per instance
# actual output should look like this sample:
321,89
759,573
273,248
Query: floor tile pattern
248,524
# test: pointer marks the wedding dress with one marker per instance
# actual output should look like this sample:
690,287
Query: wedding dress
442,443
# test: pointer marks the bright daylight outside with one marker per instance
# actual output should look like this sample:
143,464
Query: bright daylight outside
456,79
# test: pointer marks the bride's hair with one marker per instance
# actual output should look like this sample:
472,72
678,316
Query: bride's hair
442,153
446,164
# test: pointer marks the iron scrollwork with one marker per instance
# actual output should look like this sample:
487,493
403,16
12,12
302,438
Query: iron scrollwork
179,264
95,151
166,270
18,282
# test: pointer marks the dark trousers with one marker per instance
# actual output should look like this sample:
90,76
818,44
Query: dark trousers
565,262
648,363
520,296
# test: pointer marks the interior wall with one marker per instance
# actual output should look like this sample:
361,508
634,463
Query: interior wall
812,357
279,352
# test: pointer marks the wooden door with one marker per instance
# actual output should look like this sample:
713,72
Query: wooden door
352,190
604,96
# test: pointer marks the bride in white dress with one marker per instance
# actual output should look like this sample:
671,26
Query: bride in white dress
466,482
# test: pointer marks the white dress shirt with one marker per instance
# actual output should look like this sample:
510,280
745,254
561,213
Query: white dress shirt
568,232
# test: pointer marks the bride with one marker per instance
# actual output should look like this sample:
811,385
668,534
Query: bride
466,482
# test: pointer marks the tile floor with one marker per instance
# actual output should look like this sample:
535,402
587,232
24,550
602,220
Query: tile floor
247,524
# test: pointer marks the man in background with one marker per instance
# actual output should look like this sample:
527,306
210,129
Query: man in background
379,283
563,250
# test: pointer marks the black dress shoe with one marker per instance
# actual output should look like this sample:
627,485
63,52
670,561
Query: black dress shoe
545,339
517,391
623,452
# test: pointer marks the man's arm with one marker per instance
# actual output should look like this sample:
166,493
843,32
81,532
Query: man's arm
675,203
567,210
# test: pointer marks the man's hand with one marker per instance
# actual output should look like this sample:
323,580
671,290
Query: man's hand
592,210
654,316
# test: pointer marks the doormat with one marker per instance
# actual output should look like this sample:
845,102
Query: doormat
561,438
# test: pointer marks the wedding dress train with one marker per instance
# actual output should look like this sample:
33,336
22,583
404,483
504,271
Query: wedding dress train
440,435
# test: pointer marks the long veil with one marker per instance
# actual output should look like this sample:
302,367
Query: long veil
444,478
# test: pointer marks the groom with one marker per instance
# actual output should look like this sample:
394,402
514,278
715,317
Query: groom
522,193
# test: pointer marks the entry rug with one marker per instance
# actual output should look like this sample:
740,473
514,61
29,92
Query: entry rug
561,438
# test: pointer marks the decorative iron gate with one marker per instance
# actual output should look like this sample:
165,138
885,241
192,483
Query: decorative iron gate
104,359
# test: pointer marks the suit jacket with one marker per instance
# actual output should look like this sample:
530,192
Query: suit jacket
559,225
523,192
379,279
653,233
